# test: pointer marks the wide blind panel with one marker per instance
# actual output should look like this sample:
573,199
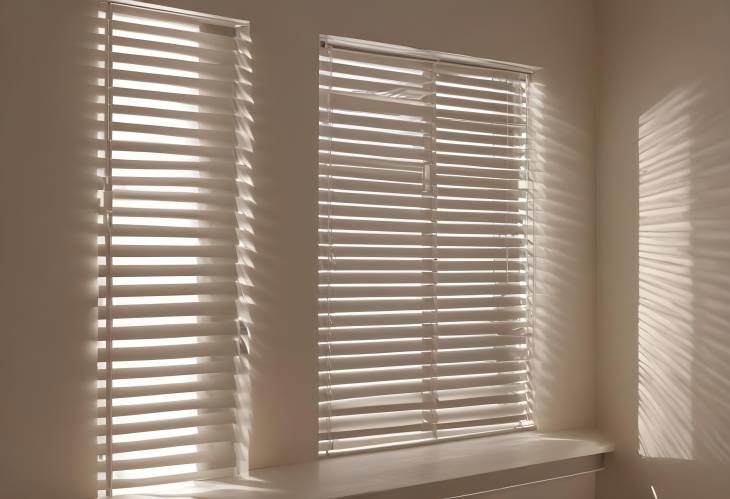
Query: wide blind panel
423,280
168,298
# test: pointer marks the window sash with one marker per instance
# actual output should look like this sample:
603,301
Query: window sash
168,265
424,276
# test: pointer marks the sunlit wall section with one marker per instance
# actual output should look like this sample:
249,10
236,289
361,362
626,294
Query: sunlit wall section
168,319
245,247
665,315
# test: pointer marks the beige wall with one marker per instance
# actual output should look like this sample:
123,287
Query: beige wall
47,193
47,251
580,487
663,257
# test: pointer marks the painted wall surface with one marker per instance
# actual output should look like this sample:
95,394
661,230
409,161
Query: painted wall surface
557,36
580,487
664,248
47,250
49,255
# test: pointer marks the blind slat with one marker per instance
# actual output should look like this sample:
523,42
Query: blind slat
204,367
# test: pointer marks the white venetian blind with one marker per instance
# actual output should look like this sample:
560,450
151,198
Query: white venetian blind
423,282
175,90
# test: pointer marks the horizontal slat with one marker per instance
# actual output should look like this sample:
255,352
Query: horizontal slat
355,183
200,269
417,403
201,474
129,230
416,311
448,414
368,224
397,440
402,174
214,199
339,446
214,453
203,70
219,328
212,308
480,77
420,344
175,50
445,398
418,289
209,184
201,120
353,384
415,137
494,136
389,63
208,382
199,38
377,88
222,433
384,251
424,385
423,426
212,400
190,25
384,148
413,331
207,137
332,118
454,107
205,367
414,277
373,210
495,115
199,288
447,127
336,236
379,304
421,357
141,250
337,195
372,104
476,92
157,99
219,347
482,147
353,73
217,152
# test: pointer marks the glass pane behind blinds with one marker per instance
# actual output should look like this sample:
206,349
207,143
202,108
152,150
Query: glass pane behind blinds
423,280
175,88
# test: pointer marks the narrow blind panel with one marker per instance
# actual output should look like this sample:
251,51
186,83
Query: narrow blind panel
423,298
167,249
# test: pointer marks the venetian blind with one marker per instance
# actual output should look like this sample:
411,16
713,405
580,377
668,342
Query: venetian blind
423,282
175,90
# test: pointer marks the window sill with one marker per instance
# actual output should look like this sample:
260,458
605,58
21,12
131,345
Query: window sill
379,472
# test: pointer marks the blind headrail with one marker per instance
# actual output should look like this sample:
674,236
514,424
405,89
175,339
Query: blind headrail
209,18
426,55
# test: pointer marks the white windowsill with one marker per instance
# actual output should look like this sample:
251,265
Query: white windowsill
393,469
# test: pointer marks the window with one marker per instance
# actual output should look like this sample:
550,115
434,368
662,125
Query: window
423,285
168,241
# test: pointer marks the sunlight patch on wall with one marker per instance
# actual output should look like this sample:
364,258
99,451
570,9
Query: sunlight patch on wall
665,316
